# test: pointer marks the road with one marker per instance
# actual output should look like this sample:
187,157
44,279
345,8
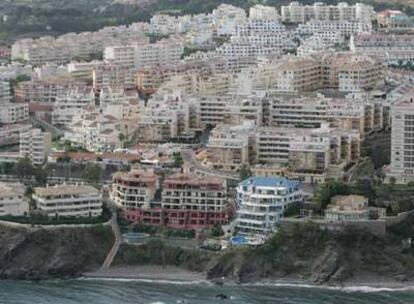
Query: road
56,133
118,241
189,158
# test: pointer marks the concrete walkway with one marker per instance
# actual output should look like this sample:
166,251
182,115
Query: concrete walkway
118,240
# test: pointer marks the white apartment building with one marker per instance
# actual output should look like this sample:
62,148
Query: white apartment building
346,28
165,117
228,146
44,91
121,54
262,202
72,46
35,145
298,13
68,201
4,92
10,134
162,52
281,145
113,75
359,115
163,24
402,139
258,37
11,71
11,113
12,199
226,17
98,129
141,55
263,12
391,49
71,103
83,71
320,42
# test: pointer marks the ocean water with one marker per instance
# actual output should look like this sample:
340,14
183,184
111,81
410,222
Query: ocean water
150,292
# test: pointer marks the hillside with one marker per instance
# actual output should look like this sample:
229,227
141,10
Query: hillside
52,253
55,17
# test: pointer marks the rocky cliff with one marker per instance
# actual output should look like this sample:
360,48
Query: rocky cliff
322,257
27,253
303,253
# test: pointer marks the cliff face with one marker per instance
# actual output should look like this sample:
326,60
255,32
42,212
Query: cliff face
304,253
321,257
52,253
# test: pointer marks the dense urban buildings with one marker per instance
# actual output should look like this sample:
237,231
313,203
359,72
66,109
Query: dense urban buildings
214,119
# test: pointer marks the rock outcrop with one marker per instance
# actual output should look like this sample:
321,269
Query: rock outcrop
27,253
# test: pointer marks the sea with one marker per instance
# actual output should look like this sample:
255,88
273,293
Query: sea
120,291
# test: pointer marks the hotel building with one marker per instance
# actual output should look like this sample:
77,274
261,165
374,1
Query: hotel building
262,202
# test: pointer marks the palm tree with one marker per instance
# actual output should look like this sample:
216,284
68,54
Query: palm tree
121,137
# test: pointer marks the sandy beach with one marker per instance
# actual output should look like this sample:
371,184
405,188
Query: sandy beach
147,272
171,273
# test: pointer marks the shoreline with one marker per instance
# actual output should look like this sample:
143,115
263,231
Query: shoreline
147,272
172,274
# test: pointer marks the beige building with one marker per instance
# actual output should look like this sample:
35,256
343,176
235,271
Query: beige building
68,201
12,199
299,74
228,146
134,189
348,208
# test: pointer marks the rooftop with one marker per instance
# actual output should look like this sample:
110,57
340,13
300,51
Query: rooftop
65,190
270,182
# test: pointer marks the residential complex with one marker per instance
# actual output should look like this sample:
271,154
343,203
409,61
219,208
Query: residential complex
186,201
184,106
68,201
75,46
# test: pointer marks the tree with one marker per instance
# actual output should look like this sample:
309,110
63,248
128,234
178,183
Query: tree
24,169
121,137
40,175
178,159
65,158
245,172
325,192
379,157
92,173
